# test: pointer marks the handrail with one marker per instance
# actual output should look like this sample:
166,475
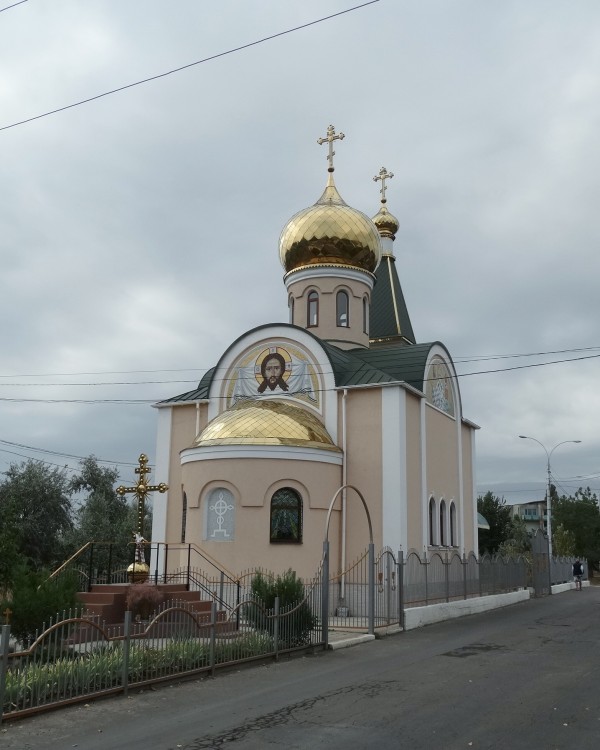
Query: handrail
74,556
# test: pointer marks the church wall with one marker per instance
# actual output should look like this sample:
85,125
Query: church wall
364,468
183,432
469,490
327,287
413,466
252,483
442,457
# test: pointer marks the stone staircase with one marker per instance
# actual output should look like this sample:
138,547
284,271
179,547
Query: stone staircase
106,604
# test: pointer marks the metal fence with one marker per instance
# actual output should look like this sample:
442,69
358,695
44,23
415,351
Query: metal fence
76,658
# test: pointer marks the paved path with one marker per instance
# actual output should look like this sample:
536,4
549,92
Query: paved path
526,677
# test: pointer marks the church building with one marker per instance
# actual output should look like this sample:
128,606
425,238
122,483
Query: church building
341,395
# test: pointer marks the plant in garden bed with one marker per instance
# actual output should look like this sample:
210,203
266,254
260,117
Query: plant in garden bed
295,627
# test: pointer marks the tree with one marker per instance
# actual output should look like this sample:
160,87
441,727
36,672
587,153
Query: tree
499,517
580,515
563,541
104,516
519,542
35,513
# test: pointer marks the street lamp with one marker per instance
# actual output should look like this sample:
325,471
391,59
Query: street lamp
548,454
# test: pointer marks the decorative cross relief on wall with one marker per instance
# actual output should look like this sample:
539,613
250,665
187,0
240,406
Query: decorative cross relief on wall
220,515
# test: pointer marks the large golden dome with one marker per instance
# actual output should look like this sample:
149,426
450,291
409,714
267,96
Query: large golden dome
330,233
266,422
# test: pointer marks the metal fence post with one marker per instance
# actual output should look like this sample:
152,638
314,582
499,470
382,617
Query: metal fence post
276,629
90,567
446,564
371,588
126,644
213,636
401,588
4,644
325,596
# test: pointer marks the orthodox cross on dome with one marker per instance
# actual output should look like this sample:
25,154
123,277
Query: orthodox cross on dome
383,176
330,138
142,488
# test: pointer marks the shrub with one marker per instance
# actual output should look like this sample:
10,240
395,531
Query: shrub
35,600
296,619
143,599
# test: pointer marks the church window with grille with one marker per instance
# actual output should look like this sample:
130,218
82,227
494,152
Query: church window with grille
286,516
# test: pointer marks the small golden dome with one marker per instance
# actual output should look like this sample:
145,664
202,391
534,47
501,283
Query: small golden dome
386,223
330,233
266,422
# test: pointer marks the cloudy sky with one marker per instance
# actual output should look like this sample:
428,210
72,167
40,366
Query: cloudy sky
139,231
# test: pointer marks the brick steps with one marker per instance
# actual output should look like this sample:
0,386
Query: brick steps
106,603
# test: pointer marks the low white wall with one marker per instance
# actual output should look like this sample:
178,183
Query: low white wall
416,617
559,588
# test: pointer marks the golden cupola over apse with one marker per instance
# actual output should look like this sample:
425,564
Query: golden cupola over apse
330,233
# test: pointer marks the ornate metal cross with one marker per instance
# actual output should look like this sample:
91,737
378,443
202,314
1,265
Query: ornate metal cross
330,138
141,489
383,176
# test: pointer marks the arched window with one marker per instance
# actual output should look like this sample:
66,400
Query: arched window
220,515
443,523
312,319
452,525
286,516
342,311
432,523
291,306
183,517
366,315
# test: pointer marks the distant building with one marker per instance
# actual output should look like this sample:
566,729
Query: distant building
341,395
533,514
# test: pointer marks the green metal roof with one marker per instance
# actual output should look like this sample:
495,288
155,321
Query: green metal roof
391,362
389,314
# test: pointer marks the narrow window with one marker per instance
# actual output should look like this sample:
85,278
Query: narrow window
286,516
183,517
432,535
313,310
443,523
291,306
452,525
365,315
341,309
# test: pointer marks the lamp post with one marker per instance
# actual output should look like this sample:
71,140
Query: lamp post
548,455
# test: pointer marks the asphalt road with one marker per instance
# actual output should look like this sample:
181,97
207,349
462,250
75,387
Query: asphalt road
527,676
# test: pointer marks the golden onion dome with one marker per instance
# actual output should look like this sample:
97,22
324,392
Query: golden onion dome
330,233
386,223
266,422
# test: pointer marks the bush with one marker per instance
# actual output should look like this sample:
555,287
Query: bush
35,600
296,619
143,599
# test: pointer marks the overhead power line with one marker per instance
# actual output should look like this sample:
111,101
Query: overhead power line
8,7
189,65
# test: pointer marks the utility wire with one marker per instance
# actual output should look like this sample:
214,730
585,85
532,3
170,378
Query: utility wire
189,65
460,359
14,5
